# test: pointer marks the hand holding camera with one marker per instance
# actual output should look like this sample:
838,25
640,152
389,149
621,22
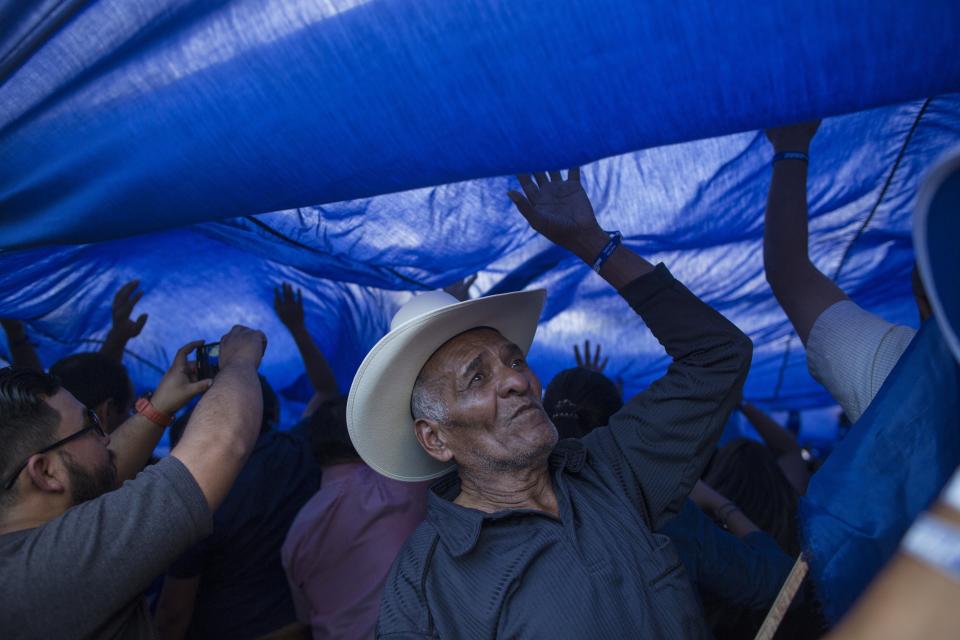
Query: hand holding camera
179,384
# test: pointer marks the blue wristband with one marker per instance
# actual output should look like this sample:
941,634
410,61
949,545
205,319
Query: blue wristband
615,238
791,155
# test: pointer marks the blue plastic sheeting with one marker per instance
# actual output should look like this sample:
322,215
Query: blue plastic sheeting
889,469
119,120
122,118
696,206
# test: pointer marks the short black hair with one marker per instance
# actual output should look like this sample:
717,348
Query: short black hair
329,437
27,422
93,377
579,400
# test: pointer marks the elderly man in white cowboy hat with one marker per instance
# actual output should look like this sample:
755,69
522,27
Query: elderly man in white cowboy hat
525,537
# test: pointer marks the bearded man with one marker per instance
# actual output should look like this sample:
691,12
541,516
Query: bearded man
77,549
525,537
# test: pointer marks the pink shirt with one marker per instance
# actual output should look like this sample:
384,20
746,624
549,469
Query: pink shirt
341,545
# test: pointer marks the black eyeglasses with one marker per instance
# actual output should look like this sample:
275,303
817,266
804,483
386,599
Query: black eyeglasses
93,424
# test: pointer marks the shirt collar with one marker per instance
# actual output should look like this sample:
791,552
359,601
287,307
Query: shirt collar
459,527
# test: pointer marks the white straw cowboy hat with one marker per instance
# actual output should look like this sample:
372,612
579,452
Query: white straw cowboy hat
378,407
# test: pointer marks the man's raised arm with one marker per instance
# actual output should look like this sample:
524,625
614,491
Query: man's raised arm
123,328
800,288
666,433
289,308
224,426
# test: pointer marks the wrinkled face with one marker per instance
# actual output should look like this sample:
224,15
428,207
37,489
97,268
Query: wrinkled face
494,417
89,465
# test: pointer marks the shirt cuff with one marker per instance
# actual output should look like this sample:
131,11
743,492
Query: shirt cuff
643,289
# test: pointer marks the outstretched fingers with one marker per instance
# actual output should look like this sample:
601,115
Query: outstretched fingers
523,204
124,292
530,189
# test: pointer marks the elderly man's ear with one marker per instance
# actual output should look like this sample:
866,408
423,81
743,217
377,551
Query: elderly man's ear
431,437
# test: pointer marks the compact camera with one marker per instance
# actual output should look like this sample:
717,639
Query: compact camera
208,360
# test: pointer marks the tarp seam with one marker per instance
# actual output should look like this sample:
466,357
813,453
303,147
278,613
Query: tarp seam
300,245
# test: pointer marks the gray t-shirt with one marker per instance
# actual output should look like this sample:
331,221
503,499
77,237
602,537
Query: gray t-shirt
83,574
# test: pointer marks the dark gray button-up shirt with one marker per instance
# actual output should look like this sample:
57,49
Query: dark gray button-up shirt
599,571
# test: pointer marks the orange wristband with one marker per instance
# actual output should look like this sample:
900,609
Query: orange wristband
147,410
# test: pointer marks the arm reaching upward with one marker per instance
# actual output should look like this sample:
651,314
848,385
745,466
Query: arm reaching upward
665,434
123,329
22,352
224,426
289,308
800,288
134,440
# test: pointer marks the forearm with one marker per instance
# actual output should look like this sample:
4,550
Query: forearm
621,268
113,346
222,430
739,524
745,571
801,289
318,369
133,443
722,510
777,438
785,235
22,352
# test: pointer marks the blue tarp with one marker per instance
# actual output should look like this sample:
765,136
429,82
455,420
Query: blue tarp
121,124
362,150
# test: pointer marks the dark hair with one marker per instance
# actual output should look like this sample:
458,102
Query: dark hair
27,422
329,438
747,473
271,411
579,400
93,377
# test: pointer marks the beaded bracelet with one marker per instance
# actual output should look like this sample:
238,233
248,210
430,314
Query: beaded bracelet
725,511
791,155
615,238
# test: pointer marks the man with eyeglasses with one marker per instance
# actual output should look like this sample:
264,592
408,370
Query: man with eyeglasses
77,550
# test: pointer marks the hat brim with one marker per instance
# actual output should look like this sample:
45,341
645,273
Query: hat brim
936,227
378,407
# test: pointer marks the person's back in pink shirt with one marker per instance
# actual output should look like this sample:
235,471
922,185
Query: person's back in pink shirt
341,546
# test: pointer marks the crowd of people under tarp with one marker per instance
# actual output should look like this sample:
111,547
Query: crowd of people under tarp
449,495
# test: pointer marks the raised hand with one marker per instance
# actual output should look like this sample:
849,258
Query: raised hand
289,307
794,137
586,362
123,302
123,328
560,211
